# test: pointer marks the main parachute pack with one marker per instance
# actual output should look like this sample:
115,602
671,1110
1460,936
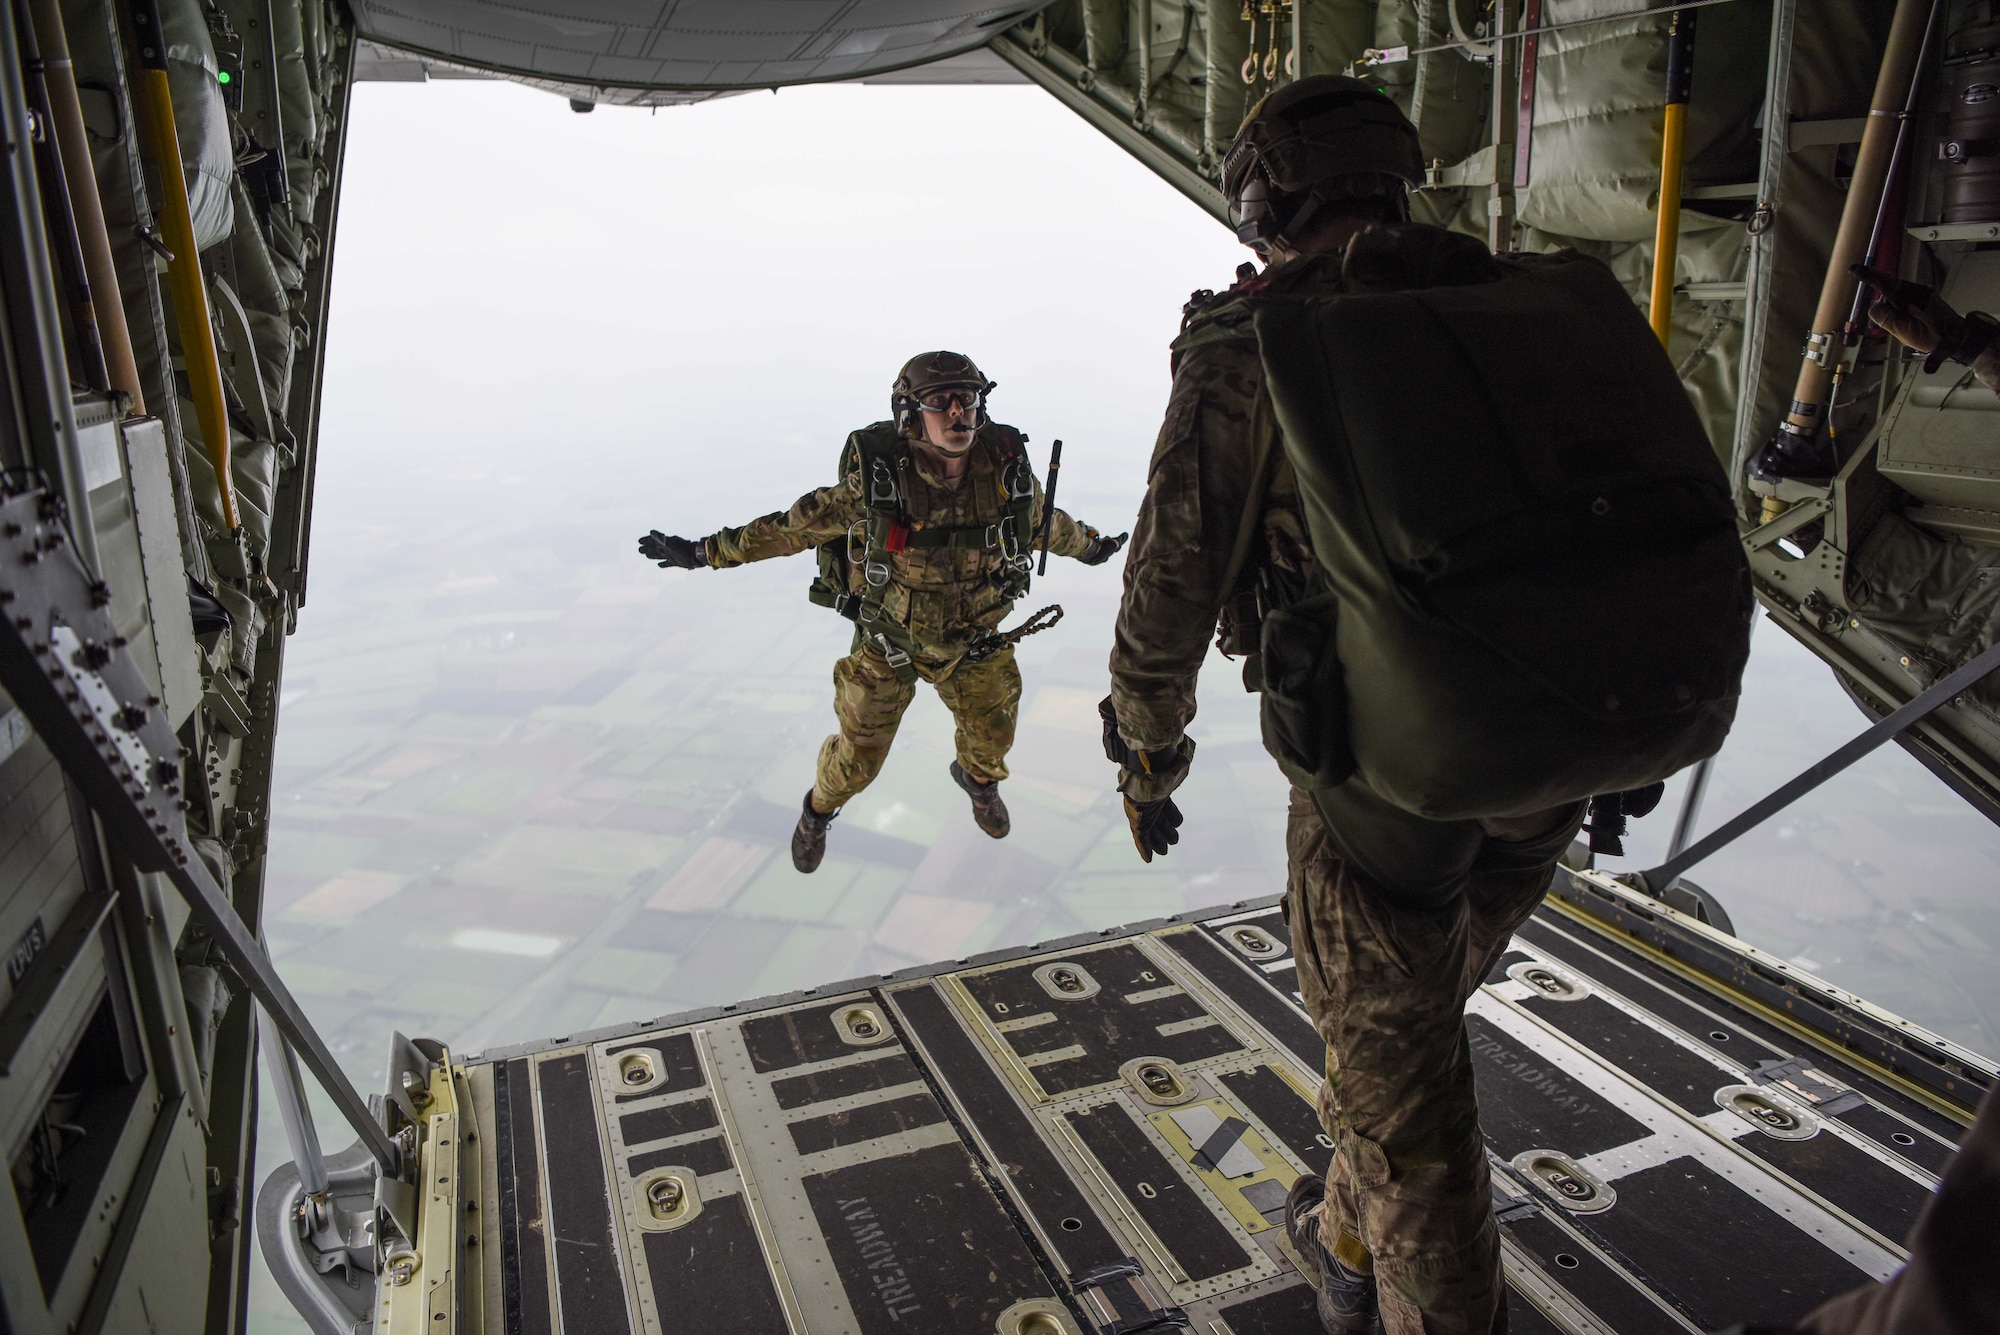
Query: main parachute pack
1531,586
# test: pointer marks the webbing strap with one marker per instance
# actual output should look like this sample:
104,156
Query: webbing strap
974,538
1263,434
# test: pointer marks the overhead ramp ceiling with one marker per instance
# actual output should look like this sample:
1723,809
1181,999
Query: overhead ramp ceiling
663,52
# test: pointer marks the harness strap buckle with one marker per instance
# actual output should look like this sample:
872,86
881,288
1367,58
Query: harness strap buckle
1018,480
891,655
881,484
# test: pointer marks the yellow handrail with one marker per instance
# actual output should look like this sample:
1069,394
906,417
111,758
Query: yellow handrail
1673,154
204,368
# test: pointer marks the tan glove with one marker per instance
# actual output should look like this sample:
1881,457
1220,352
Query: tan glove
1916,317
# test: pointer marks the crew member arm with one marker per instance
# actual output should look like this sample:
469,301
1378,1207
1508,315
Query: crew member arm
1197,486
817,517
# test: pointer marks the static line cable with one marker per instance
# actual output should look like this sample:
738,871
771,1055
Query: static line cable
1395,55
1659,878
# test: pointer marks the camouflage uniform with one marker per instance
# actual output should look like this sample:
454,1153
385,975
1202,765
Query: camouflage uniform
938,596
1394,918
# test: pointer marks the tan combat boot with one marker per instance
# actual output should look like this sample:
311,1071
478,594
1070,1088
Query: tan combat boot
988,811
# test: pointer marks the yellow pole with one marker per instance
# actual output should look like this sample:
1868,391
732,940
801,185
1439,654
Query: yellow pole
1673,153
184,279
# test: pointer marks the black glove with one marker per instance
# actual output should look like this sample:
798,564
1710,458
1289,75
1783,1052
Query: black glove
1126,756
1156,826
671,552
1102,549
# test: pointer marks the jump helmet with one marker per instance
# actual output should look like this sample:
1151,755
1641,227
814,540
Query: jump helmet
928,372
1321,139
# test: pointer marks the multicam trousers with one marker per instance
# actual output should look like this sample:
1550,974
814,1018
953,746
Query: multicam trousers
1386,985
984,700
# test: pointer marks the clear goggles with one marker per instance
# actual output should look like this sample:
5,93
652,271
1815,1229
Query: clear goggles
963,397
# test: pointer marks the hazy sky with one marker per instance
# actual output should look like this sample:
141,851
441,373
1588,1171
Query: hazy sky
671,320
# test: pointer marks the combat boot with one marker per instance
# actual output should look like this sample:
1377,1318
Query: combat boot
1347,1302
989,813
809,836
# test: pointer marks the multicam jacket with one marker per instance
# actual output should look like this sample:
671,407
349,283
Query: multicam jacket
1219,461
1191,563
940,595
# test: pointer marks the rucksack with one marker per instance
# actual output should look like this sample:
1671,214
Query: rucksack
1531,588
854,569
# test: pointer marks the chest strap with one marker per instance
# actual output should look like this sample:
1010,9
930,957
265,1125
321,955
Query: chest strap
977,537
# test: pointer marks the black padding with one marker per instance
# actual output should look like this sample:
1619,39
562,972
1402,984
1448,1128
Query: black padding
871,1121
921,1245
1292,1119
701,1157
1286,1312
1608,1295
1527,1103
1670,1070
798,1091
1157,1192
524,1276
590,1289
793,1039
1110,1030
673,1119
710,1274
1722,1254
1048,1194
1278,1015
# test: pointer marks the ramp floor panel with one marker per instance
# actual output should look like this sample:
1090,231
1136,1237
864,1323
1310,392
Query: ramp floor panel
952,1150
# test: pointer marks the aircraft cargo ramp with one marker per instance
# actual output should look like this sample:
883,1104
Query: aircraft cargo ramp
1096,1136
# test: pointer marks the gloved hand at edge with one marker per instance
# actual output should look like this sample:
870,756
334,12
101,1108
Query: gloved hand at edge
674,553
1102,548
1916,317
1156,826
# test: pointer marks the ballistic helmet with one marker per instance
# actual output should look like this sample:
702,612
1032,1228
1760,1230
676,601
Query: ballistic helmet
1321,139
932,373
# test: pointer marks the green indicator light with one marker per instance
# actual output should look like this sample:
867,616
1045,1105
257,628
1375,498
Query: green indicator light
222,76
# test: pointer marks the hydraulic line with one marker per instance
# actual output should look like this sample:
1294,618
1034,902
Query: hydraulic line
86,206
1673,155
1824,347
59,215
1879,233
1477,48
204,369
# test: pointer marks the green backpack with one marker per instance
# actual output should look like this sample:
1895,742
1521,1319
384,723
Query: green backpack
854,568
1531,589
